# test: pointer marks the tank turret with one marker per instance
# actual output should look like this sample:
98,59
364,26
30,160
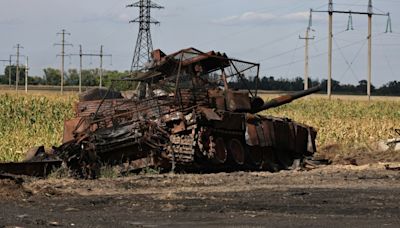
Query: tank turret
186,118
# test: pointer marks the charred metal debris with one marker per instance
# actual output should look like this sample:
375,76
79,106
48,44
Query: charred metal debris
184,117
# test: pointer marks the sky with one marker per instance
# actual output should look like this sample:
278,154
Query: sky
262,31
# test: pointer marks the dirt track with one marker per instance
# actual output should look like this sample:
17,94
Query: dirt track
336,196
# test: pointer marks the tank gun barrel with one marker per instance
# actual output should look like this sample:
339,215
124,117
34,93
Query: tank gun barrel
286,99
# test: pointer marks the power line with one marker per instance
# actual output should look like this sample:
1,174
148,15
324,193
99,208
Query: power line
295,49
369,13
230,35
390,45
18,47
9,69
100,54
345,59
292,58
63,44
307,38
280,54
352,43
314,56
352,61
389,65
269,43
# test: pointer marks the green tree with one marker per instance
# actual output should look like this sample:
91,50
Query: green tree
362,86
52,76
90,77
13,70
3,79
35,80
113,78
72,78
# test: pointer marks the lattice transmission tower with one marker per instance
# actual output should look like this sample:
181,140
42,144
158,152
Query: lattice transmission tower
144,45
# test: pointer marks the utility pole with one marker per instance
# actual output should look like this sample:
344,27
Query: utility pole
9,69
26,74
18,47
9,73
101,64
330,37
101,55
144,45
63,44
80,68
306,56
370,13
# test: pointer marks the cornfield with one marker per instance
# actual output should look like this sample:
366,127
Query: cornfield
28,121
350,123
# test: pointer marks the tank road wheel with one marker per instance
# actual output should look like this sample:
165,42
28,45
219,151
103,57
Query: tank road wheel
237,151
220,150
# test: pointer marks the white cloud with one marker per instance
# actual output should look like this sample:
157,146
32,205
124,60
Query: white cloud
297,16
254,16
246,18
258,18
302,16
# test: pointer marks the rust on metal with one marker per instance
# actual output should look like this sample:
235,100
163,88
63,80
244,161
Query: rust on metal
183,116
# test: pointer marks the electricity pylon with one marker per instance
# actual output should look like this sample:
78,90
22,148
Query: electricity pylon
144,45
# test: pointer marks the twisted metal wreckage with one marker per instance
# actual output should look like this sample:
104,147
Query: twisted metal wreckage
184,117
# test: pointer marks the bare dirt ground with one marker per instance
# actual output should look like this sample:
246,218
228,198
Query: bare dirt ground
331,196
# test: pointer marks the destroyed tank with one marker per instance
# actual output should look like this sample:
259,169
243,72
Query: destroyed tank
184,116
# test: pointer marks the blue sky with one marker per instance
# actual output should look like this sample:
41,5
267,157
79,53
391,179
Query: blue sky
264,31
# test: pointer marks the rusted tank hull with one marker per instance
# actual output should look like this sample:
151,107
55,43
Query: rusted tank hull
249,142
195,139
181,118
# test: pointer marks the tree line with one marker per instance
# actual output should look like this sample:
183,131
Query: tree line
90,77
51,76
391,88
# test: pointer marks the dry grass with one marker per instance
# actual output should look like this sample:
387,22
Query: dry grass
50,93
